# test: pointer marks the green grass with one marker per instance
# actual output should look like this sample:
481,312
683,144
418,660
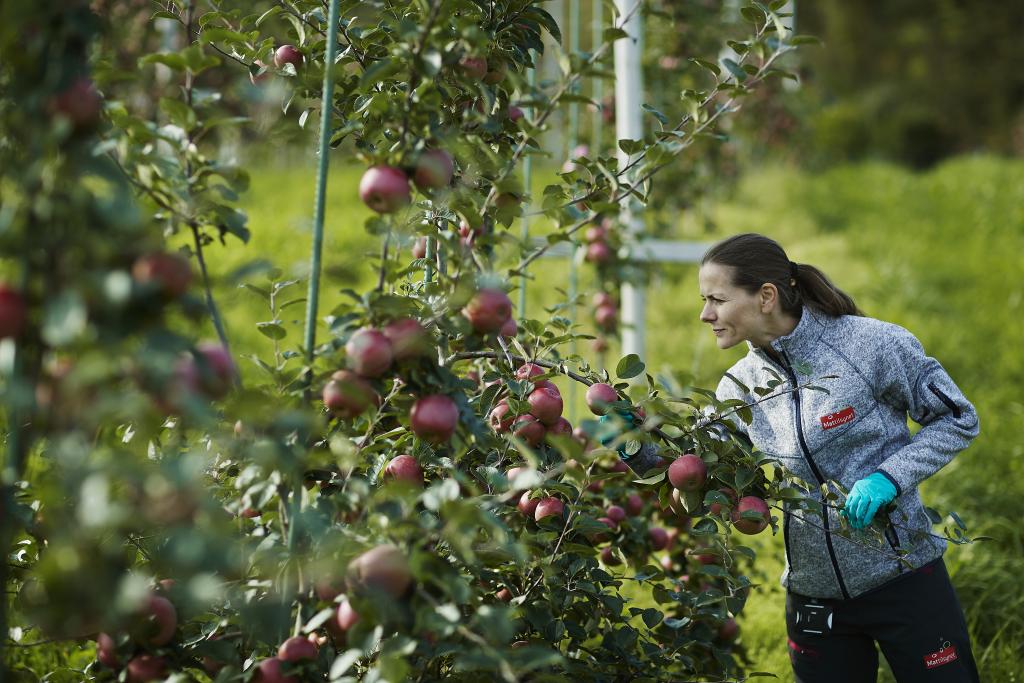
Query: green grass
939,253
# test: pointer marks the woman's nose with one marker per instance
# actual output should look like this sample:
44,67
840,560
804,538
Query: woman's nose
705,314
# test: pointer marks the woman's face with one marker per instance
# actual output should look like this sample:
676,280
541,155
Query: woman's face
734,315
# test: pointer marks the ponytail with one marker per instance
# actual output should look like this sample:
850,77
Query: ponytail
756,260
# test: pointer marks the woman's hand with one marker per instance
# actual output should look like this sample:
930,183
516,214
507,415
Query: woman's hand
866,497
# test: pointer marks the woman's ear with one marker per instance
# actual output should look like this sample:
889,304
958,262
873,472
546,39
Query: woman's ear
769,297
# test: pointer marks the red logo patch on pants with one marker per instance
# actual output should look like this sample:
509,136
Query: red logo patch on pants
944,656
835,419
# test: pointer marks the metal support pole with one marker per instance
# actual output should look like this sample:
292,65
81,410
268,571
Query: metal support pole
574,136
527,179
629,125
313,295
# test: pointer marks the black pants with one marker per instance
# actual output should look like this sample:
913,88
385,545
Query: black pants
916,620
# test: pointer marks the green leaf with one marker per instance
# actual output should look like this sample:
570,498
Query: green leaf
744,476
272,330
179,113
805,40
753,14
710,66
258,290
735,69
959,522
172,60
269,13
631,146
654,112
652,617
612,34
629,366
344,662
741,385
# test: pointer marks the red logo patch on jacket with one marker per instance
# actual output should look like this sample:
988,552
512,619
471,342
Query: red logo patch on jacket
943,656
835,419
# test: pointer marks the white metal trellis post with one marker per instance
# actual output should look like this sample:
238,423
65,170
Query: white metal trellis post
629,125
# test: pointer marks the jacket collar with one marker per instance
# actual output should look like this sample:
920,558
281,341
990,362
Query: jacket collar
803,337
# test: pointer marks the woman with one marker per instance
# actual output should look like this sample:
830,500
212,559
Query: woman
846,594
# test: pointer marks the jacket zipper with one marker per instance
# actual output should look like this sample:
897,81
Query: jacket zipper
785,536
817,475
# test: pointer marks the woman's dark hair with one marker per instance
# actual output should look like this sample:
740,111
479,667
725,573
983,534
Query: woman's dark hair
756,260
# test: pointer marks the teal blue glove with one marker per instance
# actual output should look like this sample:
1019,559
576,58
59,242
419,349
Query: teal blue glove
614,426
866,497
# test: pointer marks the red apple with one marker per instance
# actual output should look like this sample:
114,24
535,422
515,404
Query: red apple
160,620
12,312
288,54
348,395
434,418
547,384
528,370
603,299
419,248
346,616
529,429
509,329
599,345
548,507
369,352
106,651
609,557
514,114
80,104
385,189
599,253
545,405
595,233
295,649
687,472
408,338
505,595
603,537
634,504
168,272
474,67
217,371
499,418
405,468
434,170
616,512
561,426
606,317
599,397
527,505
144,668
384,568
488,310
728,630
716,508
750,526
269,671
659,537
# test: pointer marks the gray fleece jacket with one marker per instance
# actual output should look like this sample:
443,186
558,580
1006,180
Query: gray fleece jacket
858,427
